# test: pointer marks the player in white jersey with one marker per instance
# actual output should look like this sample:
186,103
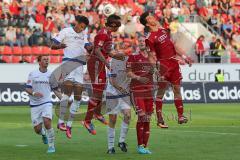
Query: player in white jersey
118,100
39,90
73,40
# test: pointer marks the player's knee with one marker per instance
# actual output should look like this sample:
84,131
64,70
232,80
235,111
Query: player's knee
127,118
47,123
112,122
38,129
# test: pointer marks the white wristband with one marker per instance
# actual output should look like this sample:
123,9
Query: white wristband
33,93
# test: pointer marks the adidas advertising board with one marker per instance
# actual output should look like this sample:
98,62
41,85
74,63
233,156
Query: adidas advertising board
191,93
222,92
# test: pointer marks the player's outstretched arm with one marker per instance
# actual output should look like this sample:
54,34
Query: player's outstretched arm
181,53
118,56
99,54
35,94
113,82
131,75
57,45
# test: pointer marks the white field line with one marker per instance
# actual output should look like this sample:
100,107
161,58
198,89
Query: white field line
203,132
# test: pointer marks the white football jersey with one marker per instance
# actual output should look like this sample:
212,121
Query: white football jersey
75,42
118,70
39,82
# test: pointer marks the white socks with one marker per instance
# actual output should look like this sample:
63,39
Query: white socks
73,110
50,137
111,137
123,132
42,132
63,108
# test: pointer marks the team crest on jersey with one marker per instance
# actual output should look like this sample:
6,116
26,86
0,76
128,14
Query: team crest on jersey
162,38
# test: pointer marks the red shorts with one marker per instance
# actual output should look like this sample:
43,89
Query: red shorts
143,101
97,73
171,71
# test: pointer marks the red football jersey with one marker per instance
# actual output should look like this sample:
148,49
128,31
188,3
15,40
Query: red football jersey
160,42
103,39
141,67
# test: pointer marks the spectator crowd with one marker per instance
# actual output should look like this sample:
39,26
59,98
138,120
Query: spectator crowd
34,23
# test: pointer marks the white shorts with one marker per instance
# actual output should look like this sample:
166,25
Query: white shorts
37,113
76,75
115,105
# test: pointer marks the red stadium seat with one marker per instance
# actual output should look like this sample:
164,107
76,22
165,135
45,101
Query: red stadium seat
37,50
28,58
55,52
60,59
33,59
7,50
7,58
61,52
54,59
46,50
17,50
27,50
16,59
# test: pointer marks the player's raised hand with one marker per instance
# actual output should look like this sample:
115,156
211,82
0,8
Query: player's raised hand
37,94
188,60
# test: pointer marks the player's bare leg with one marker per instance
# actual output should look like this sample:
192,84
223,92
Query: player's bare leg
179,104
124,129
77,90
50,134
67,91
162,86
111,133
39,129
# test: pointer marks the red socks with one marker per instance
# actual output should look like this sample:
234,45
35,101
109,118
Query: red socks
179,107
159,109
146,133
140,129
143,131
92,104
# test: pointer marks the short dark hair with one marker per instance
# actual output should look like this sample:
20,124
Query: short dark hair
39,58
143,19
82,19
113,21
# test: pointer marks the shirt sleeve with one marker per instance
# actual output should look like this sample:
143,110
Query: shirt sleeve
60,37
113,69
150,45
99,40
129,62
29,81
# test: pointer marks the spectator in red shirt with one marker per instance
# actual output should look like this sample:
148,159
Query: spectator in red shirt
48,26
200,48
15,8
40,18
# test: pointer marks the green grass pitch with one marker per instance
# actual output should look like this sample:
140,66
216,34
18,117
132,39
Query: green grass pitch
213,133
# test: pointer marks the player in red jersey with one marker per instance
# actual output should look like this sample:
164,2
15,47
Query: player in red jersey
140,71
96,68
162,54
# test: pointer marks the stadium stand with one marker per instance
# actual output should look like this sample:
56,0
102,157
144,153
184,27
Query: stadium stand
23,23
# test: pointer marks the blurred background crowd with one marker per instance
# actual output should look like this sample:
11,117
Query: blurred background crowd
33,23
